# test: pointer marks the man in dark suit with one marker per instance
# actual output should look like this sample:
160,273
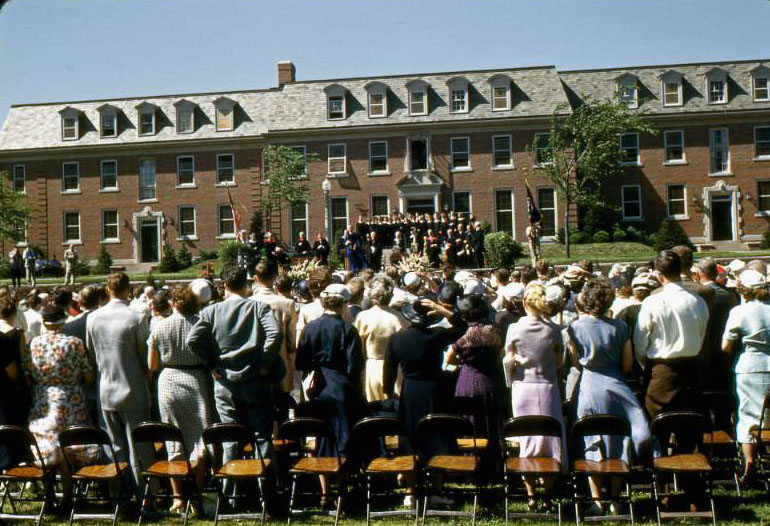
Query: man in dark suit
375,251
477,243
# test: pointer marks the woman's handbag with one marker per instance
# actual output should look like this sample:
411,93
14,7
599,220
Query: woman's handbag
509,367
313,384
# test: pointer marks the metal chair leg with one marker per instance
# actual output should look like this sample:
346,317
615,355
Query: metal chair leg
368,499
144,502
656,497
220,490
262,501
291,498
339,509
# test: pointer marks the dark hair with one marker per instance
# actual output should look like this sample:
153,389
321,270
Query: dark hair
586,265
449,293
184,300
596,297
283,284
265,270
541,266
90,297
528,274
33,299
63,298
356,286
473,308
119,283
235,278
503,275
53,313
160,301
753,293
685,254
669,264
318,280
708,267
7,306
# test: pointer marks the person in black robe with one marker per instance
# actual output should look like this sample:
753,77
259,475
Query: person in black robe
302,246
477,244
321,249
374,251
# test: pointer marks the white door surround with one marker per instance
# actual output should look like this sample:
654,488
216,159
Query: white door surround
721,189
147,214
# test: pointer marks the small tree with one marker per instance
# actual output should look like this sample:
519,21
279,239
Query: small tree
169,262
15,210
501,250
582,150
669,235
285,179
103,262
184,258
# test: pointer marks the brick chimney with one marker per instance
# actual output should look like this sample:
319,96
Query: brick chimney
286,72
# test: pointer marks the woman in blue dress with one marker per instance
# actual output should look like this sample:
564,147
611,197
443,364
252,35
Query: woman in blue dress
601,348
354,250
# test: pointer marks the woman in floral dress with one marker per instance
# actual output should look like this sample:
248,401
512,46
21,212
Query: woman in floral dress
57,368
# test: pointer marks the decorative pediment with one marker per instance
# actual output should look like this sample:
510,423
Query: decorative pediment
107,109
500,79
147,107
224,102
716,74
459,82
184,103
420,179
671,76
627,79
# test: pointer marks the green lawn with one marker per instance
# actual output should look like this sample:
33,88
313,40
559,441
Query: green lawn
190,273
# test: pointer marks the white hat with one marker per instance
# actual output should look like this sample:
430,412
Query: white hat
574,272
202,290
644,281
474,286
513,292
411,279
338,291
736,265
149,289
463,276
554,295
617,269
752,279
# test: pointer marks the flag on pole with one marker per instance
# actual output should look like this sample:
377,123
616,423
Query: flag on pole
236,213
533,212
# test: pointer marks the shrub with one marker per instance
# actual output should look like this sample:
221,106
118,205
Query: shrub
502,250
669,235
619,235
5,268
560,234
578,237
207,255
169,262
82,268
602,236
184,258
103,262
632,234
598,216
765,243
227,254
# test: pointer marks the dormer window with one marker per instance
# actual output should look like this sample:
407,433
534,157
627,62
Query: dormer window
185,116
671,88
70,124
500,92
108,120
628,90
760,83
458,95
378,99
224,110
716,86
335,102
147,116
418,97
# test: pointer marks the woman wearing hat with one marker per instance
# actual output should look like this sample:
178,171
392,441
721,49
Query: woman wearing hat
747,334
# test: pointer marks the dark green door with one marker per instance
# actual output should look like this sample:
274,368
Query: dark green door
722,218
149,238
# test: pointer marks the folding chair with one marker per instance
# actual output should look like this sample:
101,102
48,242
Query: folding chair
163,469
85,472
31,467
302,431
542,468
761,434
449,428
468,406
375,459
237,471
680,435
601,427
723,450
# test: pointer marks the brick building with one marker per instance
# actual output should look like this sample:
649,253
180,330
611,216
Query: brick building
140,172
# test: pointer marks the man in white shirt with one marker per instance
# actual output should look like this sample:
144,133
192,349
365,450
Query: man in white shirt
668,337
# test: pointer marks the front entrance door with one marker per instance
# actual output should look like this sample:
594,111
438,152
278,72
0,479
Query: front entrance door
420,205
149,240
722,218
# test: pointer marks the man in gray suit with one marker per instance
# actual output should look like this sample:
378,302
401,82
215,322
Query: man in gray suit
117,337
239,339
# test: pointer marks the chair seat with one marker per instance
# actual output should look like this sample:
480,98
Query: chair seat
24,472
321,465
536,465
680,463
718,437
100,471
466,444
455,463
612,466
242,468
169,468
754,431
400,464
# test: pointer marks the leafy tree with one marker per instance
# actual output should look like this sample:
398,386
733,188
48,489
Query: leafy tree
103,262
285,182
14,211
582,151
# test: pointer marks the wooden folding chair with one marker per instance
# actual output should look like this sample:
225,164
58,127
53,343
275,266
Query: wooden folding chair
468,406
722,449
29,467
761,434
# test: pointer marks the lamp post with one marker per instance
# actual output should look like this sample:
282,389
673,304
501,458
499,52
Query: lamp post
327,188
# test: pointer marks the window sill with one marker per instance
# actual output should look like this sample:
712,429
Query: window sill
71,192
460,170
23,192
75,242
418,114
183,186
503,168
763,158
153,200
717,103
338,175
679,218
187,238
109,191
631,219
226,236
379,174
225,184
635,164
498,110
675,163
377,116
110,241
721,174
225,130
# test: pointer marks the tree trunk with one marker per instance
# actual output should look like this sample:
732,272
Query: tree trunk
566,227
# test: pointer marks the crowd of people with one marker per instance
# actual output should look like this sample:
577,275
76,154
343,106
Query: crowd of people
636,343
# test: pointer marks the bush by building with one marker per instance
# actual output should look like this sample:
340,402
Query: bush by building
501,250
104,262
669,235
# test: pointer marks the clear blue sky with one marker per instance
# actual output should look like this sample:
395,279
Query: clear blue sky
58,50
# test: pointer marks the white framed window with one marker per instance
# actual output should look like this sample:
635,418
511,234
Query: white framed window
461,202
717,91
502,151
108,180
546,201
70,177
225,221
110,231
500,92
418,101
629,148
460,151
298,214
541,148
761,87
504,211
763,197
225,169
762,142
671,86
185,117
301,168
147,179
378,157
676,197
458,100
19,172
628,90
339,207
185,170
337,161
187,227
673,144
719,151
71,225
631,202
147,122
380,206
335,105
224,113
109,124
69,127
378,104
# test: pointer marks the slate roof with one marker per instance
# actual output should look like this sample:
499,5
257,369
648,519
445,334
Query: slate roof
601,84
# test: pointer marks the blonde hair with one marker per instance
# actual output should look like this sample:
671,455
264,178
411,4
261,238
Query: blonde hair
534,298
